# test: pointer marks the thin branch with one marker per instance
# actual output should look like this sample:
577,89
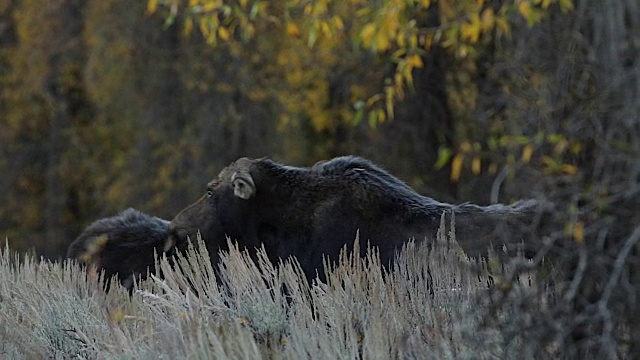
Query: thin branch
579,275
619,265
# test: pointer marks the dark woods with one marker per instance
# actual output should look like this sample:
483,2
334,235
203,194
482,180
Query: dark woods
105,106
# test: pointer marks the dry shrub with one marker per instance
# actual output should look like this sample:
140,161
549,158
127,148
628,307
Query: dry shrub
432,302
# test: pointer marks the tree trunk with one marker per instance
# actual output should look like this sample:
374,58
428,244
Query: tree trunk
62,54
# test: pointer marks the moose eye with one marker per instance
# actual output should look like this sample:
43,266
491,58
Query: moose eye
209,193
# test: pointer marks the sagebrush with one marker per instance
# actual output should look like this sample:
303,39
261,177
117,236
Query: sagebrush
434,303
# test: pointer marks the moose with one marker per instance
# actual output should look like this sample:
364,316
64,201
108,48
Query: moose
124,245
313,212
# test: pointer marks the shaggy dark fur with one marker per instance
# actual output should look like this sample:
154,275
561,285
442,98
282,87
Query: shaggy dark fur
123,244
311,212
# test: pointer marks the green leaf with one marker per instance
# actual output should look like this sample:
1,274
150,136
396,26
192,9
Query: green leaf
444,155
373,119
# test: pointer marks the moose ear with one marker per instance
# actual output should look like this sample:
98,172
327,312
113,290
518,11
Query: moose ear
243,186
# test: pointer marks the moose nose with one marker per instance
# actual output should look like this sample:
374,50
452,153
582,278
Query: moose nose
177,237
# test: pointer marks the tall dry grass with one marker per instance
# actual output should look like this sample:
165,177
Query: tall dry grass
432,304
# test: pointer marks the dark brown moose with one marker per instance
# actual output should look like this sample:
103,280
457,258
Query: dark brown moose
123,244
314,212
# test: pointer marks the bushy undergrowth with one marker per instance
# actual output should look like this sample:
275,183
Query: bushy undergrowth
433,304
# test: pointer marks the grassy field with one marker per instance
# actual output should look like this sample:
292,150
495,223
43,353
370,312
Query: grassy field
434,304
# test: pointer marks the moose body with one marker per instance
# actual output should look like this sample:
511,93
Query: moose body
314,212
124,244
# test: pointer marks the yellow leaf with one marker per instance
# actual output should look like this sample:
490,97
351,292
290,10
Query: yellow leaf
319,8
413,40
262,7
465,147
548,161
292,29
471,30
188,26
326,30
223,33
561,146
210,6
569,169
488,21
576,148
382,42
415,61
251,30
456,167
566,5
373,99
578,232
363,11
381,116
546,4
427,40
426,3
449,38
524,9
401,41
367,33
152,6
476,165
398,81
527,152
204,28
389,95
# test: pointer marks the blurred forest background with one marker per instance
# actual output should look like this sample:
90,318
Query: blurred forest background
113,104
